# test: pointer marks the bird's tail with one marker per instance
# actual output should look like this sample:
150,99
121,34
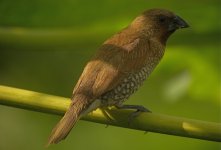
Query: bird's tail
64,126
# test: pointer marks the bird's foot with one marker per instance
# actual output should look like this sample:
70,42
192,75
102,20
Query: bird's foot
139,109
107,115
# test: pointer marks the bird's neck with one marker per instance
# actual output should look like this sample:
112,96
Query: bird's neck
150,33
164,37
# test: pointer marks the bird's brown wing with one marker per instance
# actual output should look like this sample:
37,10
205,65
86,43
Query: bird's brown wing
111,64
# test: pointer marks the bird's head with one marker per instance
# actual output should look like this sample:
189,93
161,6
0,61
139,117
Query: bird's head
159,23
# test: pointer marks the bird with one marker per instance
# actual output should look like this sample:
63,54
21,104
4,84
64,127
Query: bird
119,67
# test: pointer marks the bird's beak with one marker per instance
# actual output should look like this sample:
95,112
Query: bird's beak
178,23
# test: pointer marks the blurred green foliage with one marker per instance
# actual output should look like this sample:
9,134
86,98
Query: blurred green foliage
44,46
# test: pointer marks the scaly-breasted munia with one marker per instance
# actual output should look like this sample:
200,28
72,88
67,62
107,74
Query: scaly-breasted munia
120,66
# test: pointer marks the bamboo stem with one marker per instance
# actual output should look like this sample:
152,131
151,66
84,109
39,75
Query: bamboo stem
151,122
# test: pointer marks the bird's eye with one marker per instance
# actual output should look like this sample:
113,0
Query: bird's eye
162,19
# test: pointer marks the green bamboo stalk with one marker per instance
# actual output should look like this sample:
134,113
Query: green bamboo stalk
151,122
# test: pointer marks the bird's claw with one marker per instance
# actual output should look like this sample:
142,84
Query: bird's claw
139,109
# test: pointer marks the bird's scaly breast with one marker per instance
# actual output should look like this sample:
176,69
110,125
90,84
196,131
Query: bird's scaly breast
130,84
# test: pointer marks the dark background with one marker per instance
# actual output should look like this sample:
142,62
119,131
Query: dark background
44,46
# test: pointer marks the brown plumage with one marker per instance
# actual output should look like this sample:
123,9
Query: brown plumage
120,66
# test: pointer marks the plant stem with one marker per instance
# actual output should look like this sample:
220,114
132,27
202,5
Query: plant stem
151,122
